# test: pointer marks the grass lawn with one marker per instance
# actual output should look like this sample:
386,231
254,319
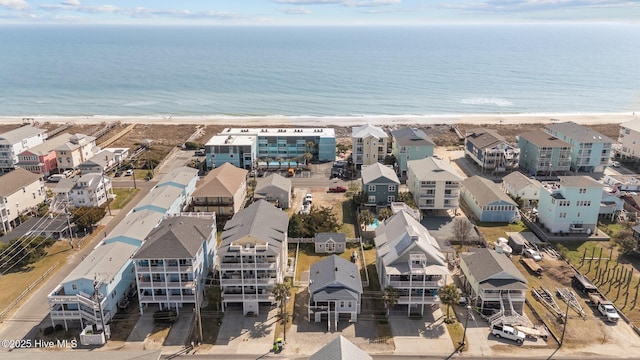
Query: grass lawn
123,196
456,331
348,219
493,231
290,305
14,283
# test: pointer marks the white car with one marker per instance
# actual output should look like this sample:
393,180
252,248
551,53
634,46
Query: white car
530,253
308,198
306,209
614,164
128,172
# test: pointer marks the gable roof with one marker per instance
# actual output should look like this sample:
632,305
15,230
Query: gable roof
103,263
340,349
335,278
135,226
578,132
178,237
340,238
483,138
373,172
16,180
49,145
492,270
400,235
75,141
23,132
411,137
543,139
275,180
368,130
223,181
519,181
101,159
179,177
632,125
433,169
260,221
485,191
579,181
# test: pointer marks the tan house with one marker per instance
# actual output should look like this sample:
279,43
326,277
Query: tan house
20,191
222,191
77,150
369,144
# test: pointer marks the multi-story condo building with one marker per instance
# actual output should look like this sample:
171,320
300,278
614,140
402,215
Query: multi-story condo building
105,278
173,261
222,191
252,256
41,159
410,144
409,259
590,150
244,146
629,139
90,190
379,185
570,205
435,185
543,154
77,150
491,151
20,191
369,145
16,141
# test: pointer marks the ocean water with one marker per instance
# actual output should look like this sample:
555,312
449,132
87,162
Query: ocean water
314,71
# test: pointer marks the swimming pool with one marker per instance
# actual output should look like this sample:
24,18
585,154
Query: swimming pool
374,225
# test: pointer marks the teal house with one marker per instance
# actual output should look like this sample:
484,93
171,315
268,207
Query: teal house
379,185
590,150
543,154
410,144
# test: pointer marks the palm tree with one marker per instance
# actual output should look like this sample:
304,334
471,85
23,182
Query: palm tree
214,294
281,293
279,159
307,157
389,298
384,214
449,296
365,217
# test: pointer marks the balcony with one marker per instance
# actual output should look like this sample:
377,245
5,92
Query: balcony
248,265
189,284
416,284
167,298
241,297
247,281
417,299
452,186
498,297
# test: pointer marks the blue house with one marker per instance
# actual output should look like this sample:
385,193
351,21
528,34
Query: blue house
410,144
571,205
590,150
487,201
379,185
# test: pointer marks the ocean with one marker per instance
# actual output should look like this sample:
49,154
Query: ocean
318,71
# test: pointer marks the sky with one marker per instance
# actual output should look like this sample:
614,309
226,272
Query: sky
316,12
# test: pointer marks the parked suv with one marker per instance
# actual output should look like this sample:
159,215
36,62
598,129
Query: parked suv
507,332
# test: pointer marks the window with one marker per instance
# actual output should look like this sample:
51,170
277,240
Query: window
372,199
578,215
391,198
74,287
563,215
582,191
372,188
392,188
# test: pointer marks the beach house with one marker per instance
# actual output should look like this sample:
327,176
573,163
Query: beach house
16,141
491,151
570,205
330,243
20,191
223,191
409,259
90,190
41,159
252,256
543,154
368,145
493,282
629,139
240,150
99,163
379,185
590,150
435,185
522,188
410,144
335,291
275,189
487,201
77,150
340,349
174,260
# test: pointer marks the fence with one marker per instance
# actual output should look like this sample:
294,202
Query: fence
117,136
26,291
310,240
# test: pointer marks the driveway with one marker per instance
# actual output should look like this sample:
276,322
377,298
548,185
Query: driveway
248,335
426,335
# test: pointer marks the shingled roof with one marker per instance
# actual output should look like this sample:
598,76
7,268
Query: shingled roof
485,191
16,180
178,237
492,270
222,181
335,278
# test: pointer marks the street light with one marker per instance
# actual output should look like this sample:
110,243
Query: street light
466,322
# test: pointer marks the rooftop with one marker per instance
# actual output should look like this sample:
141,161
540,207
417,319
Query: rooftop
483,138
223,181
340,349
376,171
16,180
17,135
518,180
579,181
49,145
633,125
543,139
103,263
136,225
493,270
432,169
333,274
485,191
258,223
411,137
178,237
181,176
276,180
322,132
232,140
368,130
578,132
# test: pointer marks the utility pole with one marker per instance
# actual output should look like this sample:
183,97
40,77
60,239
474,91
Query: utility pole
466,322
106,193
195,283
564,328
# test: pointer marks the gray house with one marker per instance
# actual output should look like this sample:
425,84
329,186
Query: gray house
379,185
275,189
335,289
340,349
330,243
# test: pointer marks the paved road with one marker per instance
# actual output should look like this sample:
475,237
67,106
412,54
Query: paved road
33,312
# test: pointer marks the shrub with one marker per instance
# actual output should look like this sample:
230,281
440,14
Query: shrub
367,246
59,327
165,317
48,330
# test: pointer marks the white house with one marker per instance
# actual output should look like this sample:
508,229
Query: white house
520,186
16,141
369,144
275,189
172,263
252,256
90,190
99,163
434,183
409,259
20,191
629,139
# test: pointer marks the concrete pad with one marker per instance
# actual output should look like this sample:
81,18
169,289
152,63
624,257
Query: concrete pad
144,326
427,335
246,335
181,329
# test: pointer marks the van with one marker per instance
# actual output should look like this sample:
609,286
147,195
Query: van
56,178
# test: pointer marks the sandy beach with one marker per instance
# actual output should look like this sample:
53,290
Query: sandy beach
309,121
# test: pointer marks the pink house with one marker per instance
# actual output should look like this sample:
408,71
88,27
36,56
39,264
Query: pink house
41,159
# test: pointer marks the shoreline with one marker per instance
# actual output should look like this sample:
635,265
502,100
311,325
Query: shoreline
355,120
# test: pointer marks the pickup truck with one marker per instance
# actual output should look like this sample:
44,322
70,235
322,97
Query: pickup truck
507,332
607,310
337,189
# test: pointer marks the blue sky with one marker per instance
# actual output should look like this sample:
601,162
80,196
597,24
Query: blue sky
315,12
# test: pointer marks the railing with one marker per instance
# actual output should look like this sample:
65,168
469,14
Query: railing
240,297
416,284
247,281
166,284
418,299
248,265
167,298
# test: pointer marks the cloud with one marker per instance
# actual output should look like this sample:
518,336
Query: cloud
296,11
71,2
138,12
539,5
14,4
350,3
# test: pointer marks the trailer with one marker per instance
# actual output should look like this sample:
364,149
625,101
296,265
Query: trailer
532,266
569,297
534,332
546,298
